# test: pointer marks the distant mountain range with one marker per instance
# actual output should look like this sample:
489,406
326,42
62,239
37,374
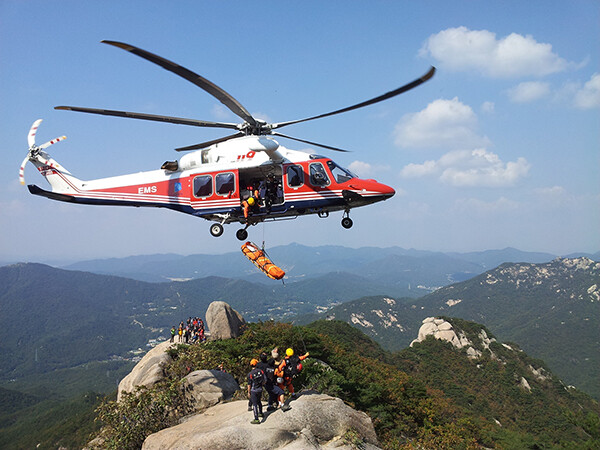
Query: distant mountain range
552,310
54,318
396,271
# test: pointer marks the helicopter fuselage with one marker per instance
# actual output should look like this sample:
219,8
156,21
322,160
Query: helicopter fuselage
213,183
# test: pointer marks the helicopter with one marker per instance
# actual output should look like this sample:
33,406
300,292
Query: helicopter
214,178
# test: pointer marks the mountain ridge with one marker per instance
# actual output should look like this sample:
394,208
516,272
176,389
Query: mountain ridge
552,310
298,260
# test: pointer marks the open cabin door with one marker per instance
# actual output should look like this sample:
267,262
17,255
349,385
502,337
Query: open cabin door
269,183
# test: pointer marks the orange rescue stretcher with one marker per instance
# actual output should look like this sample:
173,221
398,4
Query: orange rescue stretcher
260,260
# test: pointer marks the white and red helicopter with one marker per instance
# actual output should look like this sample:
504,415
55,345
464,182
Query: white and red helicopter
215,177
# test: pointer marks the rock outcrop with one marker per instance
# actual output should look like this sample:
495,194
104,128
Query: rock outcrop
148,371
314,421
442,329
223,321
205,388
474,347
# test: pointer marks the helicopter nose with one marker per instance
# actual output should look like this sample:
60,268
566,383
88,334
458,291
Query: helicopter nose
369,191
383,189
387,191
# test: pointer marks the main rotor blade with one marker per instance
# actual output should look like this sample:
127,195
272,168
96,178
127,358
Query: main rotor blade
400,90
209,143
214,90
328,147
143,116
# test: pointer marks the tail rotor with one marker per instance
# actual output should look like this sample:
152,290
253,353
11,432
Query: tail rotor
34,150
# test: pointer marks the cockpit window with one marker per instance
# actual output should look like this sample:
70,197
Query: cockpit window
340,174
295,176
318,176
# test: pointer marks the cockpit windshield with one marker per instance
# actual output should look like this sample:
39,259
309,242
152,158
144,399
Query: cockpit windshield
340,174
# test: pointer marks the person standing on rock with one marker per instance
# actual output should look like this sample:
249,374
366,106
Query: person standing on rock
173,333
288,369
274,391
256,381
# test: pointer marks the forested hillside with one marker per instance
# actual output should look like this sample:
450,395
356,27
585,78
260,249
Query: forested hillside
429,396
552,310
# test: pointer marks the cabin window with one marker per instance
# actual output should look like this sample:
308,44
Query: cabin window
340,175
295,176
203,186
318,176
225,183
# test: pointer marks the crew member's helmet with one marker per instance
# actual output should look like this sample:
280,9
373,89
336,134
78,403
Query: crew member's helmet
289,352
254,362
251,201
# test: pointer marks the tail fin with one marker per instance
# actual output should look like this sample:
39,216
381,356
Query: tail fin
59,178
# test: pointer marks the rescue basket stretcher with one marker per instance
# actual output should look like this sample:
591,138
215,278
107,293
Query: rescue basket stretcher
260,260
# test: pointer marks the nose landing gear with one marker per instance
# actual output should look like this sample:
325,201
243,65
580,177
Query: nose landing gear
346,220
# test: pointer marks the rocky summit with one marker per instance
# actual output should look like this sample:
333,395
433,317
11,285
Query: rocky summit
314,421
442,329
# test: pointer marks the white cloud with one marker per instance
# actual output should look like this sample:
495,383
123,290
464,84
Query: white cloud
479,206
515,55
420,170
366,170
443,123
589,96
529,91
488,107
471,168
553,196
554,191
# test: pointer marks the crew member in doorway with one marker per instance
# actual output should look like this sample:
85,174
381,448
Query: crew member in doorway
252,202
270,187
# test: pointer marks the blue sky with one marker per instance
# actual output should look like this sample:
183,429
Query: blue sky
500,148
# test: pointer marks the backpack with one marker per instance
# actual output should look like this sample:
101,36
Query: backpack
267,369
270,373
292,366
257,379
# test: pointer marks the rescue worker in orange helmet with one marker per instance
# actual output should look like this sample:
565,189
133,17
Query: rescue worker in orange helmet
256,381
288,368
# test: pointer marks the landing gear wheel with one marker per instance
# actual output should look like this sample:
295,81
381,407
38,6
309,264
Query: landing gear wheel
216,229
241,234
347,222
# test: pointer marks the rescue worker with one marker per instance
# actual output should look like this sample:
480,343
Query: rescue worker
256,381
274,391
269,187
288,368
252,202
